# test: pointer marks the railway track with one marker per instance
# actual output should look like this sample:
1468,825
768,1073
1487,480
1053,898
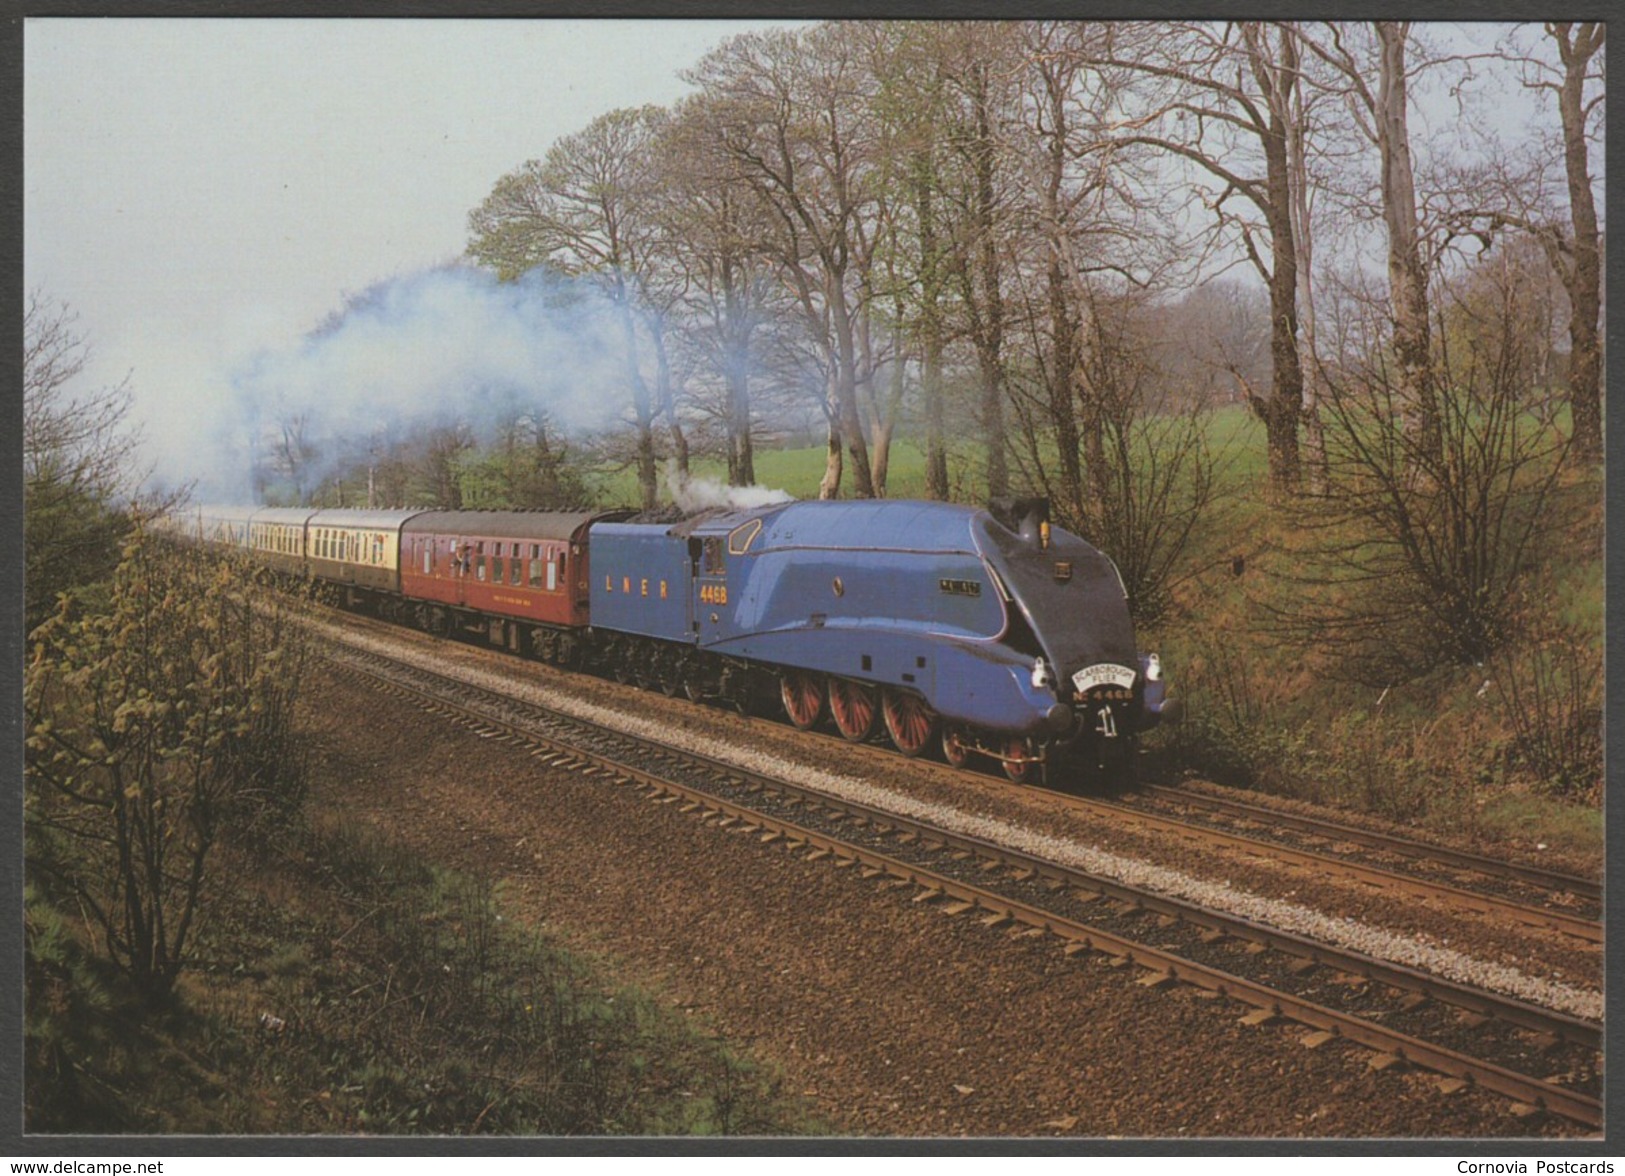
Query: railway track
1263,840
1538,1057
1579,899
1524,895
1519,894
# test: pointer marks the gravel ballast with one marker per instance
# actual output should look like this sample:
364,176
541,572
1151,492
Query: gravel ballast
892,1017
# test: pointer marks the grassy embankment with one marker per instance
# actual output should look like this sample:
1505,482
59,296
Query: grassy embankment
402,1001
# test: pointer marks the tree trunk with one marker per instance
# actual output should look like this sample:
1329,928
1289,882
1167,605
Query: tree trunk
1314,436
1065,376
936,452
830,486
1072,400
1407,277
846,388
1585,275
990,336
735,336
1281,415
642,409
668,403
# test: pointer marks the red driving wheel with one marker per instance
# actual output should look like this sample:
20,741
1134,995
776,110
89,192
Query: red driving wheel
803,697
853,706
909,721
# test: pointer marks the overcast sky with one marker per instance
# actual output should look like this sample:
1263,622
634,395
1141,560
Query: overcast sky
202,190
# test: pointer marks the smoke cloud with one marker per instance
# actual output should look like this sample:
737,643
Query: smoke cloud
442,347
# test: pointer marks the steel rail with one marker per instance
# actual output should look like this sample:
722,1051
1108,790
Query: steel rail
1573,1105
1475,1000
1587,930
1578,927
1582,888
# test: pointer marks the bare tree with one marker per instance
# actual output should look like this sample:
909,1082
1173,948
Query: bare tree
711,230
794,113
1578,46
1221,98
585,210
1420,552
1574,249
1381,110
1153,478
1099,223
913,60
78,455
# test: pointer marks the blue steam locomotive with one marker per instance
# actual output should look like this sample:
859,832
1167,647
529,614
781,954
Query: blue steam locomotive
976,632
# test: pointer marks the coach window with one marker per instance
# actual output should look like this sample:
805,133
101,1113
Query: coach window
556,558
516,571
479,560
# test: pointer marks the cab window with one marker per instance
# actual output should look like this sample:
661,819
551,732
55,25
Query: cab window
711,559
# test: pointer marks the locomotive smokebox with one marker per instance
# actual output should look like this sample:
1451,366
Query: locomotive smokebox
1027,517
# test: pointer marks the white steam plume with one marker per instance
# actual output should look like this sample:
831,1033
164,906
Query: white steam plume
693,494
451,345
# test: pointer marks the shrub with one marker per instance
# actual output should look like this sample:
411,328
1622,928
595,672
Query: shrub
1550,695
151,728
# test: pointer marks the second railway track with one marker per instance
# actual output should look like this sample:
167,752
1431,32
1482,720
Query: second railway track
1583,927
1581,897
